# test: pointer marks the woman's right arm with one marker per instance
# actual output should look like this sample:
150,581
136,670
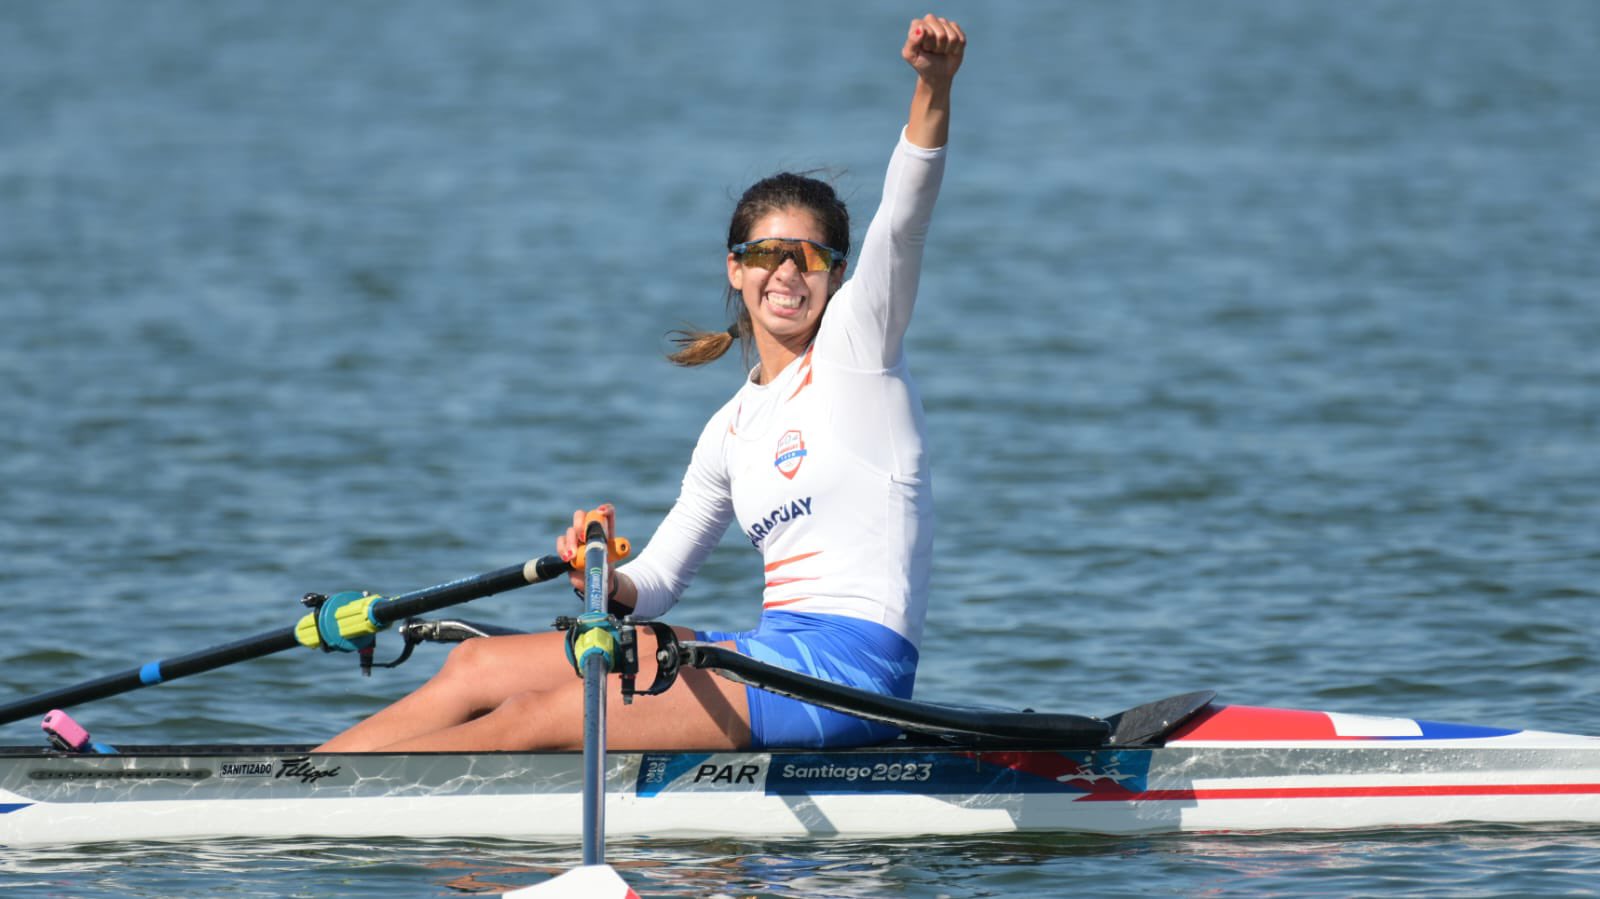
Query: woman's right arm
652,581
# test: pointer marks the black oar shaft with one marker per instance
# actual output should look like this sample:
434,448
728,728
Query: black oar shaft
149,674
387,611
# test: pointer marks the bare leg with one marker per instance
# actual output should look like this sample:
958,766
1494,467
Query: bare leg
478,675
520,693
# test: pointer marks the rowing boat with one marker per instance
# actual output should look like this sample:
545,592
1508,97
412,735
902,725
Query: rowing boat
1222,768
1185,763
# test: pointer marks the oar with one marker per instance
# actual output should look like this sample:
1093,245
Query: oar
592,649
332,626
596,665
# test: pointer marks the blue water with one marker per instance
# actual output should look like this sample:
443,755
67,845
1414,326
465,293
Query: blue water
1258,342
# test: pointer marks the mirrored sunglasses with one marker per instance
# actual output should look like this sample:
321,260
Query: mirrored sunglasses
769,253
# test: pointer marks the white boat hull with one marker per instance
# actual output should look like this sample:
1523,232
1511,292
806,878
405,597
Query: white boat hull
1233,769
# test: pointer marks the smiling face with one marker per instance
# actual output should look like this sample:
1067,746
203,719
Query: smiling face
785,304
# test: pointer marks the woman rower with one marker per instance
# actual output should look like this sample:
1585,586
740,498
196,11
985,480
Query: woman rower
820,457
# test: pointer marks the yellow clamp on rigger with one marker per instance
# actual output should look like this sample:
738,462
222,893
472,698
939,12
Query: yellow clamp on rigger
342,621
592,632
306,631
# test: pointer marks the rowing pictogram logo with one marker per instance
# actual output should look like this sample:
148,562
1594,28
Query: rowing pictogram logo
791,452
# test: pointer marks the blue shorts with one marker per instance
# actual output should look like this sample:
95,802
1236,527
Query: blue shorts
835,648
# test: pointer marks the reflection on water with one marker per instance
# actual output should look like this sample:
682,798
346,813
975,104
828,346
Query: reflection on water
1466,861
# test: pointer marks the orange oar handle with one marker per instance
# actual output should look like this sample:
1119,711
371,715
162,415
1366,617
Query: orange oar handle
617,548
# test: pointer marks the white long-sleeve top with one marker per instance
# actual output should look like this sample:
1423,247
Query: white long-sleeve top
824,465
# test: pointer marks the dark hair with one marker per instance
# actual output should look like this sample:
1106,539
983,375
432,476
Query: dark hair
785,190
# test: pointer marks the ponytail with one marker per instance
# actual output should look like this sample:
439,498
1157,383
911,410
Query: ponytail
701,347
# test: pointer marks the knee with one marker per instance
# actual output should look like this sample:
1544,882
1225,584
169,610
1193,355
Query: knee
470,660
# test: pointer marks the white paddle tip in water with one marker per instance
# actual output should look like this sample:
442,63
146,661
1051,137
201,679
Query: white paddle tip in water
587,882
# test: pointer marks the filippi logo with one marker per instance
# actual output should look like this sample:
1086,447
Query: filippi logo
303,769
791,452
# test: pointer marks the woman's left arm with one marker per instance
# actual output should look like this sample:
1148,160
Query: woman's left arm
934,48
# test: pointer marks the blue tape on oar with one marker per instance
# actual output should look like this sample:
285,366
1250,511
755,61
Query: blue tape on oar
150,673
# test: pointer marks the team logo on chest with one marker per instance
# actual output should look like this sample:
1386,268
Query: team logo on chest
791,452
